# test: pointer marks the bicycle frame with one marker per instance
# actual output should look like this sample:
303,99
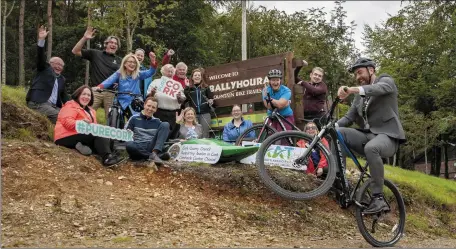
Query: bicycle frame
339,144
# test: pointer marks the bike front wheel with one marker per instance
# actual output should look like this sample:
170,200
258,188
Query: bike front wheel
285,171
385,228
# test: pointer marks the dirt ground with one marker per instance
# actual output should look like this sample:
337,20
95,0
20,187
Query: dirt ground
55,197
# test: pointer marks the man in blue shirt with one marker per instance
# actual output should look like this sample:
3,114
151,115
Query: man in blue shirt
281,99
149,134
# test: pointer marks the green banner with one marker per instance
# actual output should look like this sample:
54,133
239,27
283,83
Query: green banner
98,130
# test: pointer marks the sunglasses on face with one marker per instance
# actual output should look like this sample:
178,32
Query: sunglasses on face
311,128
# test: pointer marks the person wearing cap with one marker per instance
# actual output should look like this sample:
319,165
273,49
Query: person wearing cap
280,99
375,110
102,65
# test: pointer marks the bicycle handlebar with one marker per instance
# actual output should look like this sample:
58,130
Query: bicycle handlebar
118,93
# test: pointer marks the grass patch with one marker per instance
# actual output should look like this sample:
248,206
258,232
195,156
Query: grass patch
101,117
420,187
20,122
14,95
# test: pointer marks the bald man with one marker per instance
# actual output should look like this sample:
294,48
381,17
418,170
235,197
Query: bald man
47,93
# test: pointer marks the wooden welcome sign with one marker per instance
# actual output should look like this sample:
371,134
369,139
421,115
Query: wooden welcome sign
241,82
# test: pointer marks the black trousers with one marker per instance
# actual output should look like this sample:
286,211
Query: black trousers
170,117
100,145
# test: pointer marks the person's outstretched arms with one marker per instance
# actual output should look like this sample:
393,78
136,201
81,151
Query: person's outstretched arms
41,55
89,34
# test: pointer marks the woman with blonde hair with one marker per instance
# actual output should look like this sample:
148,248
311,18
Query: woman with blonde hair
187,125
128,78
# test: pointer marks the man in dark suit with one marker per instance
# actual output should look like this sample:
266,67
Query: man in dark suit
375,110
47,93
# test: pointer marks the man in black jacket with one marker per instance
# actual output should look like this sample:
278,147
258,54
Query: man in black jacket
47,93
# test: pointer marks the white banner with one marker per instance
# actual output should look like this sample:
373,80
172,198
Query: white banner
98,130
277,155
167,86
196,153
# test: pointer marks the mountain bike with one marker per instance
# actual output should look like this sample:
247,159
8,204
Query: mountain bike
262,131
283,169
116,116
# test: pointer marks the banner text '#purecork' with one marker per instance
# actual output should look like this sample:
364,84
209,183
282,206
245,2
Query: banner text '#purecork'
103,131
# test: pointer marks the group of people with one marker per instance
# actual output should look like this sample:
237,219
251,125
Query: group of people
183,110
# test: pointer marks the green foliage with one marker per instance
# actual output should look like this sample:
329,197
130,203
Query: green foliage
416,48
419,187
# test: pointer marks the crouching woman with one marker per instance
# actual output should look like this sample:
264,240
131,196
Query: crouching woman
149,134
65,133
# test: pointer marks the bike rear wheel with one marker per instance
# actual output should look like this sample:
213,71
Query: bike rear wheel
260,134
387,227
279,171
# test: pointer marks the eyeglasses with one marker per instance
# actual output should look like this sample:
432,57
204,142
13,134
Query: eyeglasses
311,128
131,62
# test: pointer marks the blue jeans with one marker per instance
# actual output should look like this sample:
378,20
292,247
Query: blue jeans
142,150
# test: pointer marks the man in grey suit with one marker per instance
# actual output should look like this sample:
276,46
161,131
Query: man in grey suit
375,111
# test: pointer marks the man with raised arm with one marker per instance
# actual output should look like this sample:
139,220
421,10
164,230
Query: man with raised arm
102,65
47,93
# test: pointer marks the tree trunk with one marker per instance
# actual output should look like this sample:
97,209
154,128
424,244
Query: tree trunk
445,155
436,161
21,44
5,14
49,28
129,40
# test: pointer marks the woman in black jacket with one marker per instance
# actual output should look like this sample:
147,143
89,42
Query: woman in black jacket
200,97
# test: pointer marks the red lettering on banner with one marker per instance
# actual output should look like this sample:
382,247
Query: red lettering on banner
176,87
166,90
172,92
169,83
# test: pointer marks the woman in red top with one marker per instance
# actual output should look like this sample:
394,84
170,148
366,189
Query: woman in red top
65,133
317,157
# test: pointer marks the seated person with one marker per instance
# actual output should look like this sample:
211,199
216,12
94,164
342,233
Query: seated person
281,98
65,133
237,126
149,134
317,157
187,125
47,93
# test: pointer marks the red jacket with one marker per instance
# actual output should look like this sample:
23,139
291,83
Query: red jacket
68,115
323,161
184,82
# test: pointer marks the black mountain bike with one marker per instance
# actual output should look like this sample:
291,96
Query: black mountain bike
116,116
262,131
283,169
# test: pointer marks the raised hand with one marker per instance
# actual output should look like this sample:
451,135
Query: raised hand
42,33
170,52
152,57
180,117
90,33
